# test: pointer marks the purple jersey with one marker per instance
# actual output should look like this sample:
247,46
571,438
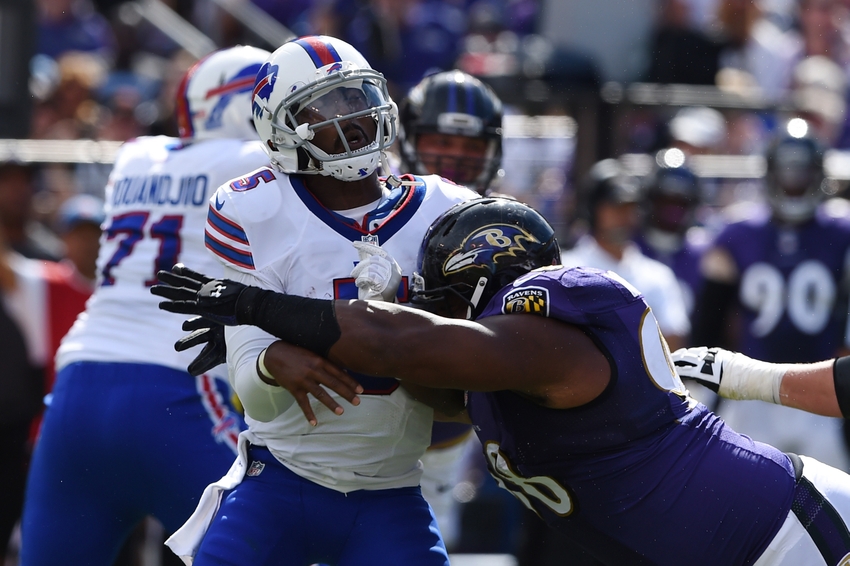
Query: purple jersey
635,476
790,286
684,262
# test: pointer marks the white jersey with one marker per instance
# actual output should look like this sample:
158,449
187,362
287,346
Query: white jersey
270,231
156,207
656,281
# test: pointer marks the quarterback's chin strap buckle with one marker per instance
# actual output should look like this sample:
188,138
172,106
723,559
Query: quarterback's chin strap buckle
476,296
392,179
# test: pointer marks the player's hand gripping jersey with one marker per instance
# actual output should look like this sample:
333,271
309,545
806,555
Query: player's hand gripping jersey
269,231
156,207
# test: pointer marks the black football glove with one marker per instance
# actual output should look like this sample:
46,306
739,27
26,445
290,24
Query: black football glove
206,332
190,292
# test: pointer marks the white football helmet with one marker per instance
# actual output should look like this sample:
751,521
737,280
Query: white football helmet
214,97
320,82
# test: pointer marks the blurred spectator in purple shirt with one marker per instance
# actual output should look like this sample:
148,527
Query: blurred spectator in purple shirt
73,25
407,39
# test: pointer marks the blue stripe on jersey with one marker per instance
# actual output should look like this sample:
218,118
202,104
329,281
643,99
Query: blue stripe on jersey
237,257
452,101
226,226
406,203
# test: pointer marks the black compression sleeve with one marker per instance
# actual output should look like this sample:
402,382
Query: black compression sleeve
308,323
841,377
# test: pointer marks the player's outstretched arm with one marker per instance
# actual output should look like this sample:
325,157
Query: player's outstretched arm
822,388
554,363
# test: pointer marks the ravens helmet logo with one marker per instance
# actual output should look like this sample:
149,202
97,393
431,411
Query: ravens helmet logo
484,246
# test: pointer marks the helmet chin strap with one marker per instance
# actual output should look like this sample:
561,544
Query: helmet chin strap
476,296
392,180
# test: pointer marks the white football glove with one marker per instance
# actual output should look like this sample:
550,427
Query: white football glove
730,374
377,276
703,365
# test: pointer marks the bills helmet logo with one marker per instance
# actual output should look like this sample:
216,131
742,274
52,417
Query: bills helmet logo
240,83
263,87
483,247
334,68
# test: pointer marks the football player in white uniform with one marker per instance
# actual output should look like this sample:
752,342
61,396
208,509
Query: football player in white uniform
343,489
130,433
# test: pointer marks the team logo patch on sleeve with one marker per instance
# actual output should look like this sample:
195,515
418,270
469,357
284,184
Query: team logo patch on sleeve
534,300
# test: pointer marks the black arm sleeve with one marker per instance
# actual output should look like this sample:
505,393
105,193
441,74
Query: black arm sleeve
711,313
308,323
841,377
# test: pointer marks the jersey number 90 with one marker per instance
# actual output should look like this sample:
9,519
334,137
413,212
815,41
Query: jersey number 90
808,296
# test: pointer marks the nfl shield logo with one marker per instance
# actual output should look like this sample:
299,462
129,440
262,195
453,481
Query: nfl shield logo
370,239
255,469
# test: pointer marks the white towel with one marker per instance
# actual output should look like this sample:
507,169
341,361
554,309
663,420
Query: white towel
186,540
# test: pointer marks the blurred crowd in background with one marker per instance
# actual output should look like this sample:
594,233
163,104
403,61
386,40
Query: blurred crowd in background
101,71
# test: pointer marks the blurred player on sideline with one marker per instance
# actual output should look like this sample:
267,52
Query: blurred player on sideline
129,432
776,286
669,233
451,125
611,199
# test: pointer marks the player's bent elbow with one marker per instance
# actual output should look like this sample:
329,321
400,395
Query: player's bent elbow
261,401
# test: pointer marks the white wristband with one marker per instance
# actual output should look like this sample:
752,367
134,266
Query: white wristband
262,369
747,379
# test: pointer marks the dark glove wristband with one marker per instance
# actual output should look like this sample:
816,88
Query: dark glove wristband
247,304
841,377
308,323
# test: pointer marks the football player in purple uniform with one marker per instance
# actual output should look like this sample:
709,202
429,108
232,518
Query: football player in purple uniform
571,389
451,125
775,289
669,234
